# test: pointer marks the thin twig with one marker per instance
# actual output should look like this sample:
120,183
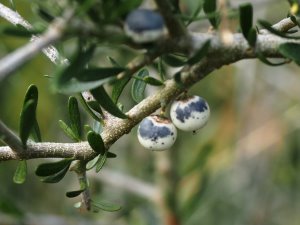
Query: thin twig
16,19
218,55
10,138
175,26
14,60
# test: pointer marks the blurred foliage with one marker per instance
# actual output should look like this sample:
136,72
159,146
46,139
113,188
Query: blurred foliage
242,168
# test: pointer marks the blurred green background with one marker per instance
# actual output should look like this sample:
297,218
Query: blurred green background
242,168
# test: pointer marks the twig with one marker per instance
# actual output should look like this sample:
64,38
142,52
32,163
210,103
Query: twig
16,19
14,60
10,138
83,183
218,55
13,17
175,26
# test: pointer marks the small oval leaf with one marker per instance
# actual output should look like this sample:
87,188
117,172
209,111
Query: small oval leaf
18,31
210,7
118,87
173,61
105,101
87,79
153,81
88,109
252,37
28,122
290,51
47,169
111,155
74,117
101,161
138,86
267,62
55,178
68,131
21,172
92,163
96,142
105,206
246,17
73,194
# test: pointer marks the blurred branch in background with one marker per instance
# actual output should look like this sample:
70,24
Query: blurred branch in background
14,60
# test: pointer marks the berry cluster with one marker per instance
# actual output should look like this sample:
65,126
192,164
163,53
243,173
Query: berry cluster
188,113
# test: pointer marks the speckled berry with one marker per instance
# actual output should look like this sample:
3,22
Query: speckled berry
157,133
190,113
144,26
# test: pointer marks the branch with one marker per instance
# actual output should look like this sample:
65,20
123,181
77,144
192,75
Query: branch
175,26
14,60
10,138
16,19
218,55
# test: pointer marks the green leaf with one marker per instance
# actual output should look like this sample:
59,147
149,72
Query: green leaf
88,109
267,62
17,31
111,155
86,79
173,61
210,7
96,142
68,131
113,62
36,133
47,169
28,123
92,163
105,101
73,194
138,86
94,105
21,172
55,178
31,94
101,161
152,81
118,87
74,117
246,17
27,120
105,206
252,37
195,13
77,64
161,69
290,51
199,54
45,15
269,27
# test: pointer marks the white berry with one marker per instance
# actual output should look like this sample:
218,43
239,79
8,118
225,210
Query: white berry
157,133
190,113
